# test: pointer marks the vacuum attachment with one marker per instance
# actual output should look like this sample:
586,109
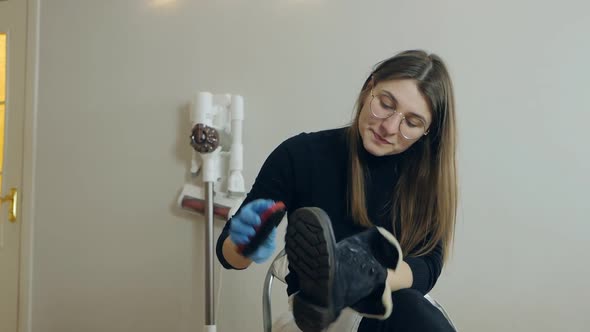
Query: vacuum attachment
198,205
269,219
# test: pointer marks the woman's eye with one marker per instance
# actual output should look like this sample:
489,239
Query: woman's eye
414,122
387,103
387,106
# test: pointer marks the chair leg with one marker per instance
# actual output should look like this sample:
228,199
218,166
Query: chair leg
266,306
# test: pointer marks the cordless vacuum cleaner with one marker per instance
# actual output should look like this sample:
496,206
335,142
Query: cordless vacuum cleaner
216,138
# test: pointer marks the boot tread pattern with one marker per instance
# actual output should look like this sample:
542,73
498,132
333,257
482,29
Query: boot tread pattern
308,249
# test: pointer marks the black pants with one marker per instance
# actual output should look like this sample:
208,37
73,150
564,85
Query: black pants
411,313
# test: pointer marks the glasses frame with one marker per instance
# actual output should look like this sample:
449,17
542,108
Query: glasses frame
392,114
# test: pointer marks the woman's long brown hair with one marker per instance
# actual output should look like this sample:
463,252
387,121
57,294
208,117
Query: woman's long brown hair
425,197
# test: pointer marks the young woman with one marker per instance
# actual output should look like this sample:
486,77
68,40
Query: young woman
371,207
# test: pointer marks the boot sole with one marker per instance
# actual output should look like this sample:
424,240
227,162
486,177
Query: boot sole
310,247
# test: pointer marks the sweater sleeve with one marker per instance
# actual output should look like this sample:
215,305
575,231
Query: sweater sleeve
274,181
426,269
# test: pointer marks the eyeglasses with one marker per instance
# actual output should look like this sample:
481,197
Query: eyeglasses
411,126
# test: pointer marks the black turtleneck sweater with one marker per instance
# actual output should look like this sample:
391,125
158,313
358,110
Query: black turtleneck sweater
311,169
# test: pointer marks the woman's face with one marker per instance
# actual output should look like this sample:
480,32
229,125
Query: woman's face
382,137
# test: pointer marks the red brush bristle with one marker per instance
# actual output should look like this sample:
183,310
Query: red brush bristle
278,206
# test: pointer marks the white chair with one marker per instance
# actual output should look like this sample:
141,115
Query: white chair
279,269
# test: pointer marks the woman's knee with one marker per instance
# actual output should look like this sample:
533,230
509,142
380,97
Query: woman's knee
412,310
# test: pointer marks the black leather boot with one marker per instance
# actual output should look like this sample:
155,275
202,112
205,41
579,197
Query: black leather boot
334,276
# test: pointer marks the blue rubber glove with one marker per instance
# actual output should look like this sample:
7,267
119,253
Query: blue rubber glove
242,228
266,249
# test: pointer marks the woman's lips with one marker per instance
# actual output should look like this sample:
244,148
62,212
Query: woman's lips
380,139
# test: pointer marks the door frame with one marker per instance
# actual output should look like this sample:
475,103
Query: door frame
27,207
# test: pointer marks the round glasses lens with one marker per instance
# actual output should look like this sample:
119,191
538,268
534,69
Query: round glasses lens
412,129
379,108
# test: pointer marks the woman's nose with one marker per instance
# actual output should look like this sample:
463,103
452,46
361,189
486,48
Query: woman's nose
391,124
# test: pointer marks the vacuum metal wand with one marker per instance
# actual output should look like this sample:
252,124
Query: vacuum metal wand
205,140
209,277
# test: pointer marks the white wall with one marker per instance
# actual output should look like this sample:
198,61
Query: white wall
113,254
